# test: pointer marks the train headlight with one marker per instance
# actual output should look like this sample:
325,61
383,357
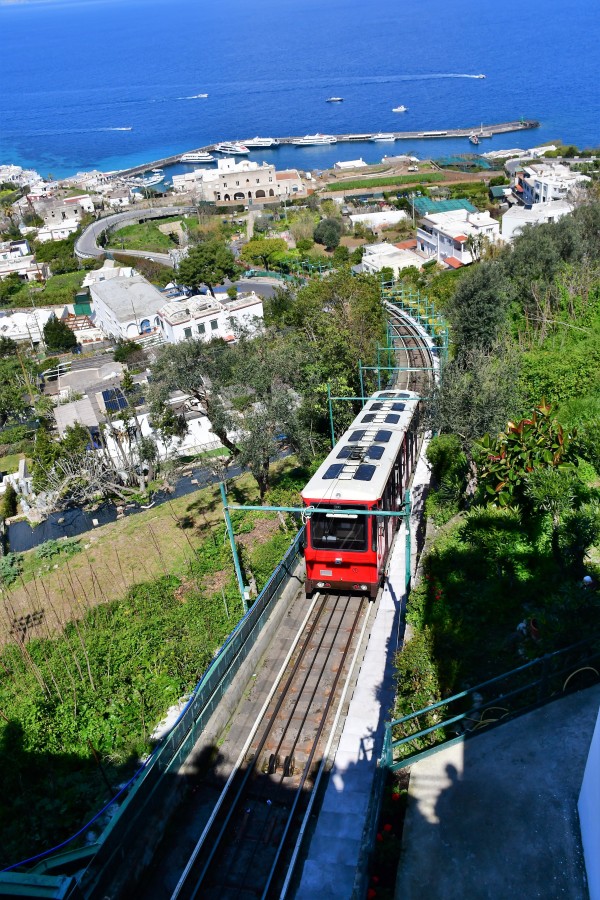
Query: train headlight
320,584
364,587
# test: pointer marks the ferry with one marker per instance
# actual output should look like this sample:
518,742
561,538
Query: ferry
383,136
400,109
200,156
232,147
261,142
312,139
334,100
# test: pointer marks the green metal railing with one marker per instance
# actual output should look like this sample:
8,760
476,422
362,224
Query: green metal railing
422,310
498,700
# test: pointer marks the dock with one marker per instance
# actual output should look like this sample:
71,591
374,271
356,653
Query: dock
479,129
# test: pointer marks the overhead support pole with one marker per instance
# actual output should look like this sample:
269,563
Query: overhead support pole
408,548
330,415
236,559
362,381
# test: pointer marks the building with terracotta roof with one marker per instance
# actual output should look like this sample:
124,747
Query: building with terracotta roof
451,237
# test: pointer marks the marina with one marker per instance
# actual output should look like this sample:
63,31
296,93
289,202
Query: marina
489,130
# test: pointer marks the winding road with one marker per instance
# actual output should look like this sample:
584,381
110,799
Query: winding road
86,245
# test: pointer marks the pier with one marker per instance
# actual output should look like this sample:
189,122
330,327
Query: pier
479,129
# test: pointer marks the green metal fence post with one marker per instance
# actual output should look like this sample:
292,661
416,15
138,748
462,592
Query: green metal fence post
330,415
408,548
362,382
236,561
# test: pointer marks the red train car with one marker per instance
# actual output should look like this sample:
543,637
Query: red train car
368,469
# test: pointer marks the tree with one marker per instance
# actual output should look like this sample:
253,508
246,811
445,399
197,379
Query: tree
13,386
478,310
8,347
58,336
328,232
263,251
207,264
11,285
341,256
9,502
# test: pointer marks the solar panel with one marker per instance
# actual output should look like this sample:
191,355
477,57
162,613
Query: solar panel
368,418
383,436
376,405
114,401
364,472
392,419
333,471
398,407
357,436
345,452
375,452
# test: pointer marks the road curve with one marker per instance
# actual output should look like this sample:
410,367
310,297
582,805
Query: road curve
86,246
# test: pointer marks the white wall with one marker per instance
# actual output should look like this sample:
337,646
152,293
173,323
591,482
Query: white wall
589,815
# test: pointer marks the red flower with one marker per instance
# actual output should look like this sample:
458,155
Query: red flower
387,827
371,893
379,836
395,795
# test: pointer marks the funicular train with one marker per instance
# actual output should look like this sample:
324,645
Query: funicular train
368,469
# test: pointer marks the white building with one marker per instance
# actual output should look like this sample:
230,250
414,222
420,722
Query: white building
445,236
516,218
542,182
126,307
387,256
379,219
17,259
18,176
62,217
57,232
344,165
239,181
119,197
204,318
110,269
28,325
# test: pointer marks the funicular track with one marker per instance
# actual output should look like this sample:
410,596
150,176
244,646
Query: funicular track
412,351
245,849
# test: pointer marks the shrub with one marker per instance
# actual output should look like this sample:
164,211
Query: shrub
9,502
448,469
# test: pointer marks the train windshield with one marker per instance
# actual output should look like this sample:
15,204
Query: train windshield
338,530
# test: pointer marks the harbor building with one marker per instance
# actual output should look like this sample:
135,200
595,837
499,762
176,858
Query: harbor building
234,181
451,237
542,182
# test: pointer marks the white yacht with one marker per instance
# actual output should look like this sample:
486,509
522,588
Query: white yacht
479,76
232,147
199,156
261,142
383,136
335,100
149,181
473,138
312,139
400,109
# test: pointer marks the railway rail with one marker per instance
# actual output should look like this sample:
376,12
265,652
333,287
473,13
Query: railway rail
248,846
413,352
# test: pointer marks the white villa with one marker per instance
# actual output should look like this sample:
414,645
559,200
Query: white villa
204,318
126,307
387,256
445,236
542,182
517,217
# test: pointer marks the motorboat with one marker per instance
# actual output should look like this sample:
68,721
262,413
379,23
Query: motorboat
400,109
232,147
473,138
200,156
314,139
261,142
479,76
384,136
335,100
150,181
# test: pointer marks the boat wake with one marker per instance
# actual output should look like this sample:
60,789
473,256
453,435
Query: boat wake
194,97
120,128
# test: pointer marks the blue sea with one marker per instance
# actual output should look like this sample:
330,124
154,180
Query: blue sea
112,83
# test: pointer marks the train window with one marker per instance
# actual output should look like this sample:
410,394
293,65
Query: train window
368,418
398,407
392,419
383,436
387,396
356,436
334,471
338,531
375,452
404,396
364,472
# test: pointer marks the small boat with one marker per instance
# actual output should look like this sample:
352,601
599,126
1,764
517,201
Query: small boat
201,156
400,109
150,181
479,76
383,136
261,142
232,147
473,138
335,100
314,139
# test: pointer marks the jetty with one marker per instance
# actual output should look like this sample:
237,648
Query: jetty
480,129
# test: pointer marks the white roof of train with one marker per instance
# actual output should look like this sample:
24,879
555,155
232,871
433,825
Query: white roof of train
358,467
